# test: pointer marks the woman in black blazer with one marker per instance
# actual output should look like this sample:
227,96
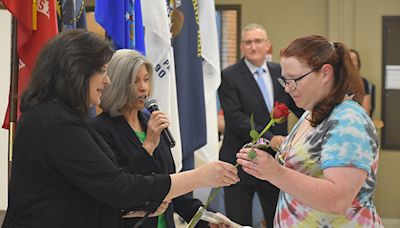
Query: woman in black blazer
63,173
134,134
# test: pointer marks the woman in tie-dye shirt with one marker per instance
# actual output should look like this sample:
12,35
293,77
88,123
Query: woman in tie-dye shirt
327,166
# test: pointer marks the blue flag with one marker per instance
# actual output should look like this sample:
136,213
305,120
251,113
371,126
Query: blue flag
71,14
122,21
189,80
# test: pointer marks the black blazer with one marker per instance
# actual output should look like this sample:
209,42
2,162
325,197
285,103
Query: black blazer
134,159
240,97
64,175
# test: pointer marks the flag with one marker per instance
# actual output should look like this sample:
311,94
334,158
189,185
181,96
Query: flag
71,14
189,79
36,24
211,77
160,52
122,20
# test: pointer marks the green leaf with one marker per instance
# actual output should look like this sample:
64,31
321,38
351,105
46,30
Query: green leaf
252,125
254,135
251,154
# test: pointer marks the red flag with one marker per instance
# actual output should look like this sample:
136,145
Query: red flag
36,24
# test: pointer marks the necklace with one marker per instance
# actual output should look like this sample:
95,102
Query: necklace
300,133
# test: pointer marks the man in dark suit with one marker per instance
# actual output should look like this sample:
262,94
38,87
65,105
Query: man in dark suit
251,87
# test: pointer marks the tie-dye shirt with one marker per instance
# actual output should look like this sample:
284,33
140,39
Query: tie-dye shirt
346,138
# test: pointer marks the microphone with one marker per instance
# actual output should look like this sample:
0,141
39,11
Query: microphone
151,105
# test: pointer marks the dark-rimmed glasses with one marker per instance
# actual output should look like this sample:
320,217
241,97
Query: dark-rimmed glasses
292,83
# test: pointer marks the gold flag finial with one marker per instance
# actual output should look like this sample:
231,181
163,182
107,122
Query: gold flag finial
34,15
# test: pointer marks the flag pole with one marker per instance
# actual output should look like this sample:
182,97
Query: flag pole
13,92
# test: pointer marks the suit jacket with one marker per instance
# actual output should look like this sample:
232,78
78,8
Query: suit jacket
240,97
64,175
134,159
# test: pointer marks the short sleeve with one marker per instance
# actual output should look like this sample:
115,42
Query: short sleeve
348,141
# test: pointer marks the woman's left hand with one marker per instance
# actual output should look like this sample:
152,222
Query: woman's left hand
263,166
276,141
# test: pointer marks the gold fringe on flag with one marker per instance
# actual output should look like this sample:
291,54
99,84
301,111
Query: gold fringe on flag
59,8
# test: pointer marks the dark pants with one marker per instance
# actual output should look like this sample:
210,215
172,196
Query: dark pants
239,200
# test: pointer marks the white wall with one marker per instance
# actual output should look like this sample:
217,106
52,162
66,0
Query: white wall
5,47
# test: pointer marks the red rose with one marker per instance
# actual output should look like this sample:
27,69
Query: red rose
280,112
279,115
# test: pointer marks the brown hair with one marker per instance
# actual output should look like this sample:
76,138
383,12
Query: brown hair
63,70
315,51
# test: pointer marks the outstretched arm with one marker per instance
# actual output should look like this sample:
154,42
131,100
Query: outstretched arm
209,175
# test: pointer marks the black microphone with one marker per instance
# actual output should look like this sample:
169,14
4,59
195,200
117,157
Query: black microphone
151,105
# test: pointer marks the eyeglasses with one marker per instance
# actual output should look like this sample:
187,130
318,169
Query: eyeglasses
255,41
292,83
101,72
